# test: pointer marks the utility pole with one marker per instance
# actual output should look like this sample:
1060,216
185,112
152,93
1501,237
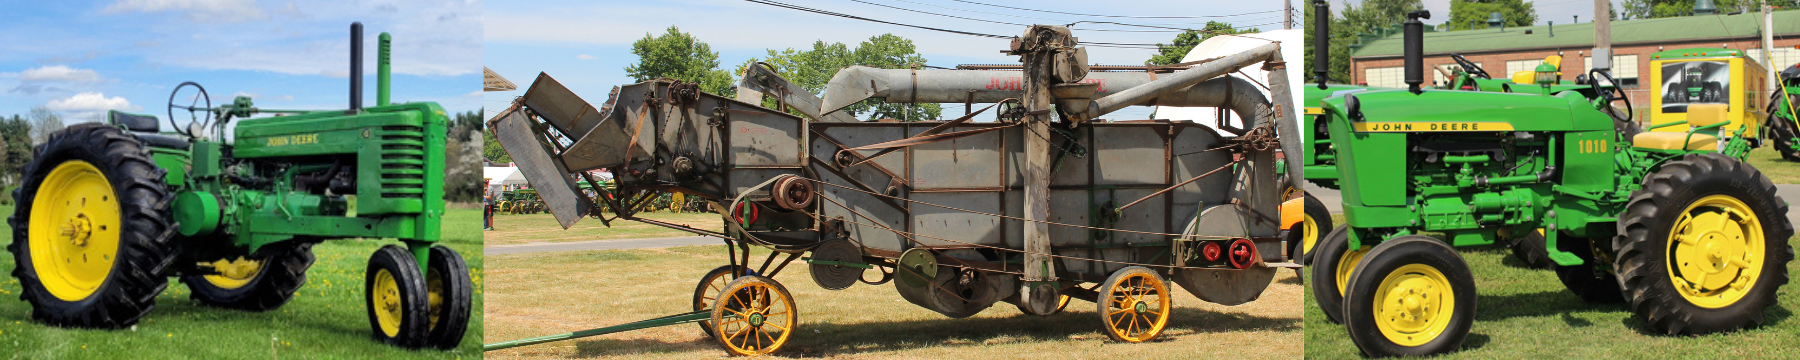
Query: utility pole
1768,45
1287,14
1602,35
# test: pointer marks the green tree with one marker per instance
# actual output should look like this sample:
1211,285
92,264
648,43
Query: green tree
811,69
16,135
1466,13
677,55
491,150
44,122
1651,9
1185,41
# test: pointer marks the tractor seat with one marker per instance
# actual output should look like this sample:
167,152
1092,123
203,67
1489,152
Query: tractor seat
1673,141
162,141
1697,115
144,127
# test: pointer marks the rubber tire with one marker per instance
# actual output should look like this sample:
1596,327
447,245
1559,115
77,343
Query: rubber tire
1060,304
457,299
1589,281
1321,218
1530,249
1782,133
700,292
414,324
146,242
283,273
1643,233
1324,272
1389,256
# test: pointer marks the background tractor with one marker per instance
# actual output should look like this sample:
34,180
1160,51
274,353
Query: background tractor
1675,224
108,211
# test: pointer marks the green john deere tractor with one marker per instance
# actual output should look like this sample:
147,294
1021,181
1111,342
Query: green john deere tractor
109,211
1675,224
1784,124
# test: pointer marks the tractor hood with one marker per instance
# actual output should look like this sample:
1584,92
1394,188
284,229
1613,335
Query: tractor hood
1465,111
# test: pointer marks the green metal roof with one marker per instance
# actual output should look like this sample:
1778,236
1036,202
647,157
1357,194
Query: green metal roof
1570,36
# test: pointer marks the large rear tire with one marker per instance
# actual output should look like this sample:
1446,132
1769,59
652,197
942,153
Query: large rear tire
280,270
1591,281
1783,133
92,240
1318,221
1703,246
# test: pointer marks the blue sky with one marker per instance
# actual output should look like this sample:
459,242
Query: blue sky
81,58
587,44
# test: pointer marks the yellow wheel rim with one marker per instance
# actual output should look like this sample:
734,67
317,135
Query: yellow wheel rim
1310,233
758,319
1347,264
74,233
1414,304
1715,251
435,293
1138,307
386,303
234,273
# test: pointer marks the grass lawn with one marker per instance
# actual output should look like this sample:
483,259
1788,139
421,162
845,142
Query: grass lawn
557,292
1779,171
326,319
1525,313
542,227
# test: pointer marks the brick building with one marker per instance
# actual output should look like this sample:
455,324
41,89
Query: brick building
1377,62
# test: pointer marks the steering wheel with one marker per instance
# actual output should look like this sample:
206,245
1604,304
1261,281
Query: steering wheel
1470,67
198,98
1609,94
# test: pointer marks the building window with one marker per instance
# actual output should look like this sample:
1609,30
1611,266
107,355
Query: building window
1780,59
1385,76
1624,67
1515,66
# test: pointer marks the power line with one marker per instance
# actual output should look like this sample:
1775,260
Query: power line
1060,21
1120,16
825,12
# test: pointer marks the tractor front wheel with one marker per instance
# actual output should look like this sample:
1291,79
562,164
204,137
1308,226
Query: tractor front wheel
259,283
1702,247
395,294
451,297
1332,265
92,240
1411,296
754,315
1318,219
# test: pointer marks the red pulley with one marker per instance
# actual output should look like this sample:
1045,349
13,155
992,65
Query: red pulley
737,213
1243,253
1211,250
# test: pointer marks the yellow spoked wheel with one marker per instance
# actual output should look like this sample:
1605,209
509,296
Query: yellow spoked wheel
397,298
754,316
74,231
1716,251
1061,302
1410,296
1134,304
259,282
92,244
707,292
1703,247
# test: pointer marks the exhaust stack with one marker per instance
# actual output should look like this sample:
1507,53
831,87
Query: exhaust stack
355,67
1321,41
1415,49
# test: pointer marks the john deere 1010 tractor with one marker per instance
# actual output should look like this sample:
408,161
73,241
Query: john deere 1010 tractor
109,211
1675,224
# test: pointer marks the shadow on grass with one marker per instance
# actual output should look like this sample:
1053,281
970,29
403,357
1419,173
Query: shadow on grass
831,339
1773,316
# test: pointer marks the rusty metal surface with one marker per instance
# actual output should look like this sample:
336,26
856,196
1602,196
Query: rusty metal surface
534,159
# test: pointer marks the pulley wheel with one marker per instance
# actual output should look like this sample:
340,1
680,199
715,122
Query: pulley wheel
836,277
917,268
1243,253
793,193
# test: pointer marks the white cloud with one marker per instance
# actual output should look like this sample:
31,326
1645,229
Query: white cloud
585,57
211,10
59,73
90,106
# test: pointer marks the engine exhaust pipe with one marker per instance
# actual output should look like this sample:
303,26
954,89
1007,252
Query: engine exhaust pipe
383,70
1321,41
356,67
1415,49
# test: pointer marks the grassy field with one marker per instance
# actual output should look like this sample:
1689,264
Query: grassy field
548,293
1779,171
542,227
1525,313
326,319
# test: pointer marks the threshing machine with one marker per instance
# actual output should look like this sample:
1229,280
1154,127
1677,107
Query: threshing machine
1045,204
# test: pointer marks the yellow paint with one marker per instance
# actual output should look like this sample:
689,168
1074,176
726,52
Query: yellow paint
385,302
300,139
1413,305
1315,111
1716,251
1448,126
74,230
1138,308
